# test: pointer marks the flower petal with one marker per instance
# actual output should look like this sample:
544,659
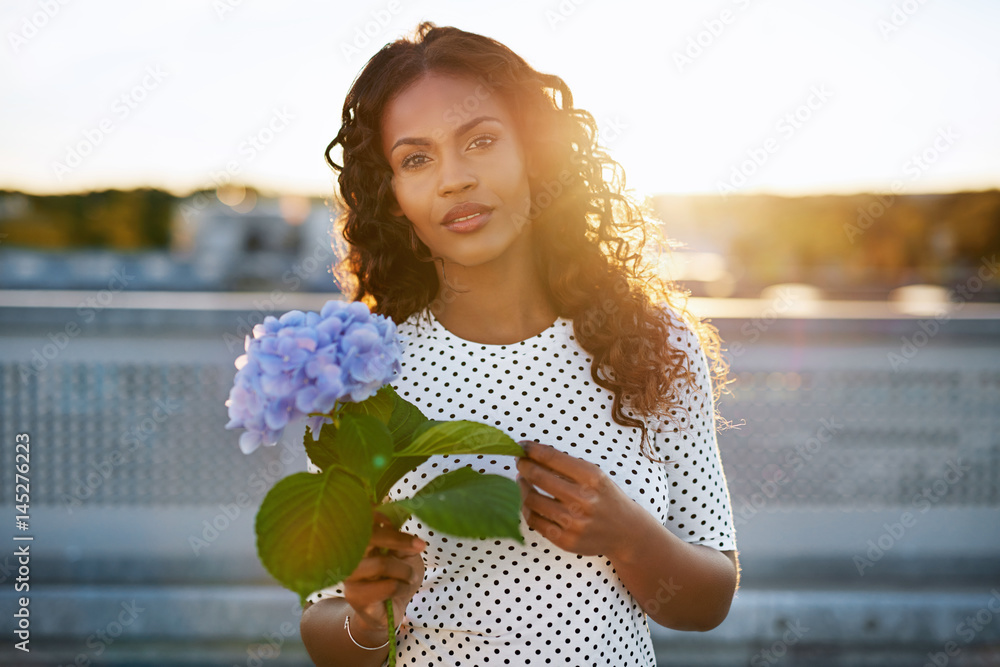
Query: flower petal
250,441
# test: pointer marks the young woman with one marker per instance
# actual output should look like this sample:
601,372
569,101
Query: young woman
479,217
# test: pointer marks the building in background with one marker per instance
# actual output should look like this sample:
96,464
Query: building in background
233,240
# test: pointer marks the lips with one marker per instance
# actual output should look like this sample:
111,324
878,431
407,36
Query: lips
464,210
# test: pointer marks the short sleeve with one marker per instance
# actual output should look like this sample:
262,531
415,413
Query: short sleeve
700,509
332,591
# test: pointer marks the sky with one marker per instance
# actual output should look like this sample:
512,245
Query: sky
725,96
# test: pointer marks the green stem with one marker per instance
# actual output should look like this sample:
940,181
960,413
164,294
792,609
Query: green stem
391,623
392,632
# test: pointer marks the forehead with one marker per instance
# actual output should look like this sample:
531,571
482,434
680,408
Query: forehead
435,105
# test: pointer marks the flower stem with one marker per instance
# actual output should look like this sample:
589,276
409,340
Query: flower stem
392,632
391,623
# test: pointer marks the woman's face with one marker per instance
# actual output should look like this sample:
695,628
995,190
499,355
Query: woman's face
450,141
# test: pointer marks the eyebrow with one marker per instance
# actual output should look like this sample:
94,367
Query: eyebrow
462,129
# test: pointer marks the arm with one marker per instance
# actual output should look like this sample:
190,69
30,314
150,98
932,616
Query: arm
680,585
326,640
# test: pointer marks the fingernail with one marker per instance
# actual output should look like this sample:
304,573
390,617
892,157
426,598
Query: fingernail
419,543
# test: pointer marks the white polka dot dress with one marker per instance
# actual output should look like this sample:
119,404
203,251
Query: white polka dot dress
497,602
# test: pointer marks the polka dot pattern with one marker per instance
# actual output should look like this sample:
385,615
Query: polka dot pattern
497,602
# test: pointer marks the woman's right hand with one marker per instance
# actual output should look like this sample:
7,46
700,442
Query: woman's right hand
378,576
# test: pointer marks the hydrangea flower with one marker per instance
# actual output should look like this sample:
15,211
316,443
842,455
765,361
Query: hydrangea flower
304,363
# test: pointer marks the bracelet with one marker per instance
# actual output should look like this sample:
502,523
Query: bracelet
347,626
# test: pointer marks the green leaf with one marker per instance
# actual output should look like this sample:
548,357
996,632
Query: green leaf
465,503
406,420
312,530
364,446
399,466
321,452
361,444
380,405
462,437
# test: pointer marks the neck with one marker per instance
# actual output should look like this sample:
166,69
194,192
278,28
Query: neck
497,303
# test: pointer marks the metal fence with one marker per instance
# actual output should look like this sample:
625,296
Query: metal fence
838,429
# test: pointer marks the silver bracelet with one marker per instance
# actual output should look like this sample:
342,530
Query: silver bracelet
347,626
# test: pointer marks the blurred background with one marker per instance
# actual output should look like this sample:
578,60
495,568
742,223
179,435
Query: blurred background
830,172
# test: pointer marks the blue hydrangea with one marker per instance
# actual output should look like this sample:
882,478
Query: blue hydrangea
304,363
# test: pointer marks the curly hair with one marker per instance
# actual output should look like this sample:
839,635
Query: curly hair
589,234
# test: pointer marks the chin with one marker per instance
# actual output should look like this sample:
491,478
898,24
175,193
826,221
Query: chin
472,259
477,252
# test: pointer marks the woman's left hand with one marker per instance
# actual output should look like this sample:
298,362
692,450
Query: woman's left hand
588,514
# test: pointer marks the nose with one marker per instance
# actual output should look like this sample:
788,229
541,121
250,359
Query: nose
456,175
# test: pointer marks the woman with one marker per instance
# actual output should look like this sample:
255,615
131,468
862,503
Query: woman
479,218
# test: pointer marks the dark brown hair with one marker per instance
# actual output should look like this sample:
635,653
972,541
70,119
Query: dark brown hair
588,234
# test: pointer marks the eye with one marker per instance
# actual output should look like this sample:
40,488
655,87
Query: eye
413,161
483,137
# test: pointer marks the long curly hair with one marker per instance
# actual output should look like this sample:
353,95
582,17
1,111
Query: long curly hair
589,234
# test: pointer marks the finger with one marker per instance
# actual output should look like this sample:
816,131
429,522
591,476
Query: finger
559,462
542,525
525,487
381,567
387,537
371,592
550,509
546,479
